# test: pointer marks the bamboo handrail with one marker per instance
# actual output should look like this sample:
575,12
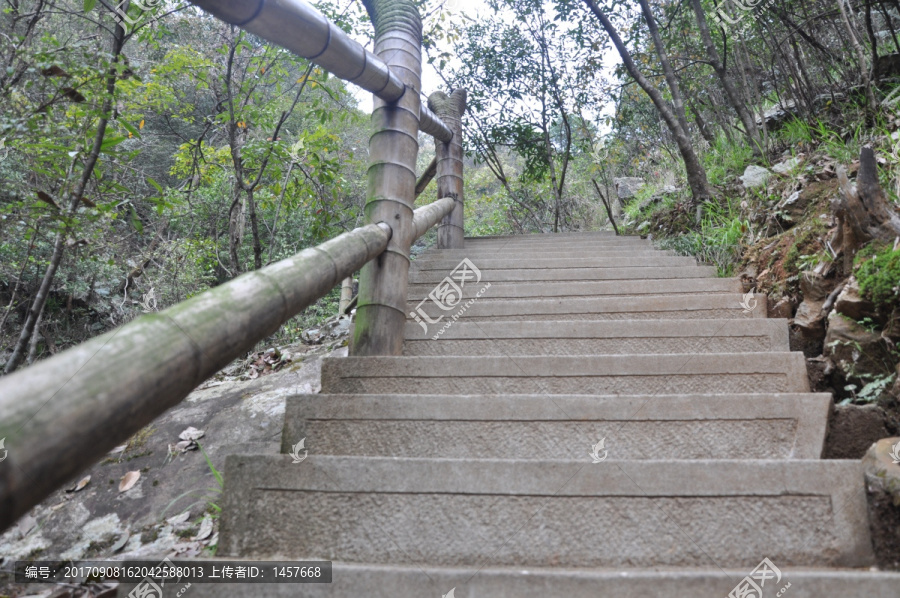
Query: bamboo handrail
63,414
302,29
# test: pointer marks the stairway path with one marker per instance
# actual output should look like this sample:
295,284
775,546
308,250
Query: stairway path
593,417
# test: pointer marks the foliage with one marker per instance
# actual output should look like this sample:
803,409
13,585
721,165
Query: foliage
878,273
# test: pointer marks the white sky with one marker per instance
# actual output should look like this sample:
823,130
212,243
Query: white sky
432,82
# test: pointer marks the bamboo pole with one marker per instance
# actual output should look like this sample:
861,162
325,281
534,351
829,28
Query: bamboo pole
302,29
65,413
393,147
449,156
346,295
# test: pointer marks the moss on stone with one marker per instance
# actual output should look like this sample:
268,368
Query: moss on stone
878,273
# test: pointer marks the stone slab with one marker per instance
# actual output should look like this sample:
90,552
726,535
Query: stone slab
604,374
717,306
758,426
433,277
626,260
534,254
449,512
352,580
599,338
526,290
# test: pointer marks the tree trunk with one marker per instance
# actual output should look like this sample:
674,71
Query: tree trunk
696,174
669,73
254,228
40,299
863,212
871,104
731,93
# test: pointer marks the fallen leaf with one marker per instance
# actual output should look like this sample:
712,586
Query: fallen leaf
81,484
120,543
186,445
27,523
119,449
206,528
129,480
191,433
179,519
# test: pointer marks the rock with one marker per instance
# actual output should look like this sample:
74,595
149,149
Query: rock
882,464
787,167
784,308
778,113
852,430
755,176
810,318
819,371
883,484
851,304
643,226
853,347
669,190
626,187
815,287
790,210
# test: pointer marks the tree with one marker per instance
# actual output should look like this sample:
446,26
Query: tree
696,174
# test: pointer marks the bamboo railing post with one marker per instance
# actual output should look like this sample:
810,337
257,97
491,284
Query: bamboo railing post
393,148
449,156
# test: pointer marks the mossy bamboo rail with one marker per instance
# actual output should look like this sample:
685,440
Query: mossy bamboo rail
63,414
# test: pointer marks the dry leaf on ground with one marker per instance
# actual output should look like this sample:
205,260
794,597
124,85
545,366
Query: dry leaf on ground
129,480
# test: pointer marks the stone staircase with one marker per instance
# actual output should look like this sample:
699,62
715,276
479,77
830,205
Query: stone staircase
474,462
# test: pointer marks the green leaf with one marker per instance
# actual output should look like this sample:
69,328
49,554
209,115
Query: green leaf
136,222
111,142
156,185
89,5
130,128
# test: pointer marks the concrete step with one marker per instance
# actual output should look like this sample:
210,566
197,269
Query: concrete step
602,234
552,240
449,512
598,338
602,375
352,580
626,260
537,253
533,290
668,307
754,426
567,274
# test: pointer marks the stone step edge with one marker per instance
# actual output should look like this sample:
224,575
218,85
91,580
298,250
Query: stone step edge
416,581
790,363
810,410
776,329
